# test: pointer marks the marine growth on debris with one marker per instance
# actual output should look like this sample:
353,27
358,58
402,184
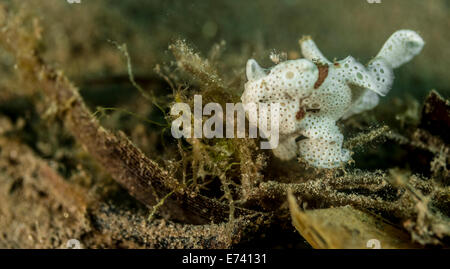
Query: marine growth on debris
314,93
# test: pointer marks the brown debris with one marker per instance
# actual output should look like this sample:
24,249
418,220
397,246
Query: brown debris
436,116
300,114
346,228
142,177
323,73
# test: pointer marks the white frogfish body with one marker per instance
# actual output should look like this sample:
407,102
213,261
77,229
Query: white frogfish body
314,93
